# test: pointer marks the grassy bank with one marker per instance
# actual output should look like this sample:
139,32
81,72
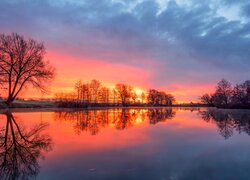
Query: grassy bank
29,104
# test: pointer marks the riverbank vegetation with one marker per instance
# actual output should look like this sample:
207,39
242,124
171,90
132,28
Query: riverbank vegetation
227,96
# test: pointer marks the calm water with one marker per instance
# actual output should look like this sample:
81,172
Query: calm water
126,144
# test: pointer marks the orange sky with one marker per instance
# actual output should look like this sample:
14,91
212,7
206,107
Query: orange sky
156,44
70,69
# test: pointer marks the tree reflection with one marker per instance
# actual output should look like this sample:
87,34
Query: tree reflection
93,120
158,115
228,121
20,149
126,118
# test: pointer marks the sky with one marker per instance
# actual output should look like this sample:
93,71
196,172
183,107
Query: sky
179,46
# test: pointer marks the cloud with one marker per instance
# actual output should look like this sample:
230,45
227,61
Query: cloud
176,42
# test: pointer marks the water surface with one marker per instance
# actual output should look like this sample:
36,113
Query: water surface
155,143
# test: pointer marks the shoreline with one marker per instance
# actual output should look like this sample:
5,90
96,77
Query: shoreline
51,104
48,106
59,109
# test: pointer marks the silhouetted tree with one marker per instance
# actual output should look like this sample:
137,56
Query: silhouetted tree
152,97
241,93
125,92
104,95
207,99
85,92
157,98
115,96
170,99
223,92
226,96
143,96
22,64
134,97
95,86
78,88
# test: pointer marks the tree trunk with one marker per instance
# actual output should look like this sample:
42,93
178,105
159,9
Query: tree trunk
9,101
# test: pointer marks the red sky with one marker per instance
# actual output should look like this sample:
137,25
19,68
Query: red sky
180,47
70,69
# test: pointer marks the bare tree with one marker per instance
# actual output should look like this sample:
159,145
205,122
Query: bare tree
125,92
246,85
207,99
134,96
143,96
223,92
104,95
241,93
170,99
157,98
21,64
95,86
152,97
78,87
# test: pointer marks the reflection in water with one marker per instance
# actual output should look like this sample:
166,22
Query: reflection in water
159,115
228,121
20,149
92,120
183,147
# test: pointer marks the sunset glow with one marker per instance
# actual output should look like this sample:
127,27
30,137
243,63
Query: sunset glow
174,46
124,89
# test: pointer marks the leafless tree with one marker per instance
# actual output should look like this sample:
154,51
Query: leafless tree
223,93
207,99
134,96
143,96
157,98
78,87
241,93
21,64
95,86
125,92
152,97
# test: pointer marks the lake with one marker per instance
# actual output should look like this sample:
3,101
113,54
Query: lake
150,143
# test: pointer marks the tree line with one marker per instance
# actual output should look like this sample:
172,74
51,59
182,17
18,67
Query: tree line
227,96
96,94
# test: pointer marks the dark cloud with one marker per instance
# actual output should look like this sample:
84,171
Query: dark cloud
189,44
246,10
